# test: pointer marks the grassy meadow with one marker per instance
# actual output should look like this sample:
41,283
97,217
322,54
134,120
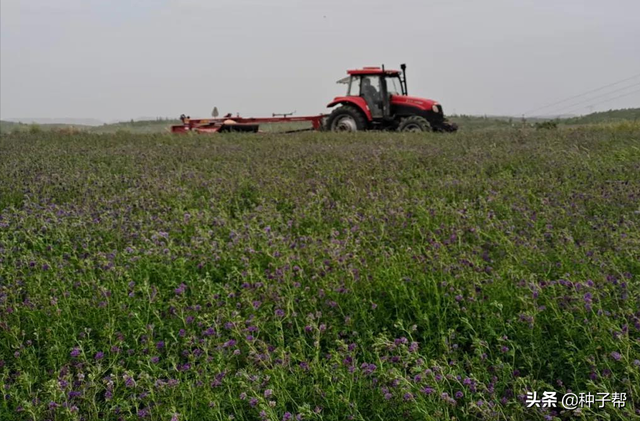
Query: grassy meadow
319,276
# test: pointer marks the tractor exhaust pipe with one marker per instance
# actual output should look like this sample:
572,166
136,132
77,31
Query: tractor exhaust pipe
404,78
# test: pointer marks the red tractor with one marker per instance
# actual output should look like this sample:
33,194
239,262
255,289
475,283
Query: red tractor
377,99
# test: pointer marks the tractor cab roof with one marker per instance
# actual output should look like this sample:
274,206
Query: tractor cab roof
373,71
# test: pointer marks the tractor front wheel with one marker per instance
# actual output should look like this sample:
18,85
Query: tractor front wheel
414,124
346,119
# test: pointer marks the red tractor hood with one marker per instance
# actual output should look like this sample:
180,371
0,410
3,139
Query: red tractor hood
422,103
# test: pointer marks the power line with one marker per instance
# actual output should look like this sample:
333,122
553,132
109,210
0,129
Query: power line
587,100
609,100
583,94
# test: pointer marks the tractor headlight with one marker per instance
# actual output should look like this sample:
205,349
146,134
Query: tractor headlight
435,108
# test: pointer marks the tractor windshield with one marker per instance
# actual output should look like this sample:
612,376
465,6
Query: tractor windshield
354,86
394,87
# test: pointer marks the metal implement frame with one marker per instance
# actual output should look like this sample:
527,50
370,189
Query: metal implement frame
214,125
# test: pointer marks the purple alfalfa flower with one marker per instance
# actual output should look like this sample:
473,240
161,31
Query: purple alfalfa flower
504,349
181,289
256,305
414,347
401,341
287,416
143,413
253,402
279,312
75,352
388,396
53,405
108,395
175,417
636,363
229,343
99,355
155,359
459,394
129,382
616,356
209,332
408,396
243,396
268,393
368,369
308,329
74,394
160,345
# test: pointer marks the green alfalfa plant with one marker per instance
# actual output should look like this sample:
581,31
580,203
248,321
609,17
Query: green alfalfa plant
35,128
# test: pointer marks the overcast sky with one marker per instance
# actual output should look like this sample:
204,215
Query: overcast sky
117,59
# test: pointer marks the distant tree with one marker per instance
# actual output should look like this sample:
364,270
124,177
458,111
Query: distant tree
547,125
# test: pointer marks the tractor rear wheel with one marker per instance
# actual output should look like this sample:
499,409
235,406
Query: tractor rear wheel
346,119
414,124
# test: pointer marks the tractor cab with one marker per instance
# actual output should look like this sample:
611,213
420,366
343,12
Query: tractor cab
377,98
376,86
